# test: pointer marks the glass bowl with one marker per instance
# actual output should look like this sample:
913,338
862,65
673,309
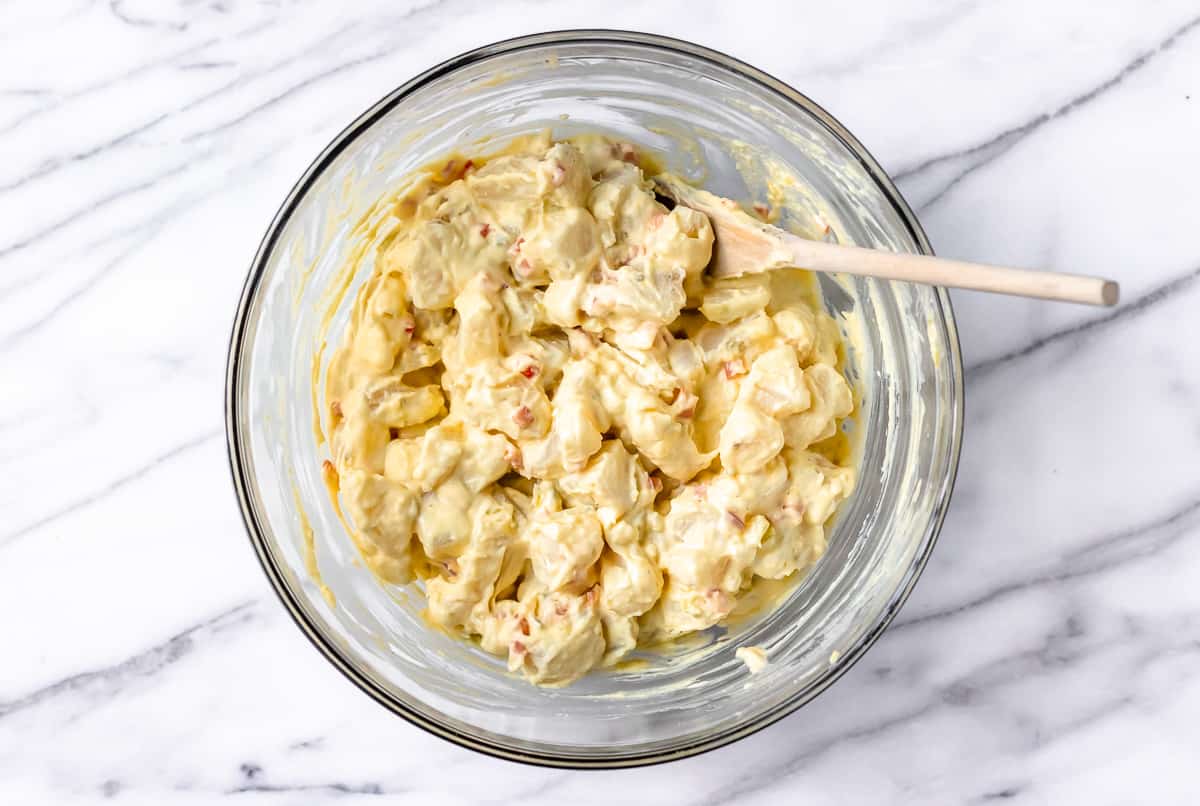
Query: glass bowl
706,116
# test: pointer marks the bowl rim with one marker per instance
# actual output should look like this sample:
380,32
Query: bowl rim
236,440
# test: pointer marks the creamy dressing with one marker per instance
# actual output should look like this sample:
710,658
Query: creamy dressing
543,409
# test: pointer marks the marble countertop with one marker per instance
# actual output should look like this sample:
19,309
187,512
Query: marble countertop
1050,653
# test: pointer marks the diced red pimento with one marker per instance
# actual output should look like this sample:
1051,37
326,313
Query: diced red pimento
523,625
763,211
734,368
624,152
484,230
518,648
687,413
523,416
515,249
530,371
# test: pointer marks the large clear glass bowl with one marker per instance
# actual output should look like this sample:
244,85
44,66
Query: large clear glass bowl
705,115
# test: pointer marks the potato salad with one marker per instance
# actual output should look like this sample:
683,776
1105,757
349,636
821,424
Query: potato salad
544,412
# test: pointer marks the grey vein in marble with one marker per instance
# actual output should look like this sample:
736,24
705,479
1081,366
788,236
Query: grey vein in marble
101,684
111,487
118,9
336,788
1142,304
908,35
76,214
983,154
1096,556
11,339
289,92
60,100
50,166
147,227
1056,652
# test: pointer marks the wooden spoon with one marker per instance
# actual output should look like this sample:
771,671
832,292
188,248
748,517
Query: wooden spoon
745,245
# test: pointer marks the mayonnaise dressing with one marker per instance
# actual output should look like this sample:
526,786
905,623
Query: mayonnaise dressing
544,409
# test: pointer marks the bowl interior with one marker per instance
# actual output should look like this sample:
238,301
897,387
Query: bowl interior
742,135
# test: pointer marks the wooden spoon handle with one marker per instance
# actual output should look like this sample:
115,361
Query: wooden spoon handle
827,257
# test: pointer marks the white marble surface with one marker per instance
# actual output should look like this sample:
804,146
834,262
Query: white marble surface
1050,654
